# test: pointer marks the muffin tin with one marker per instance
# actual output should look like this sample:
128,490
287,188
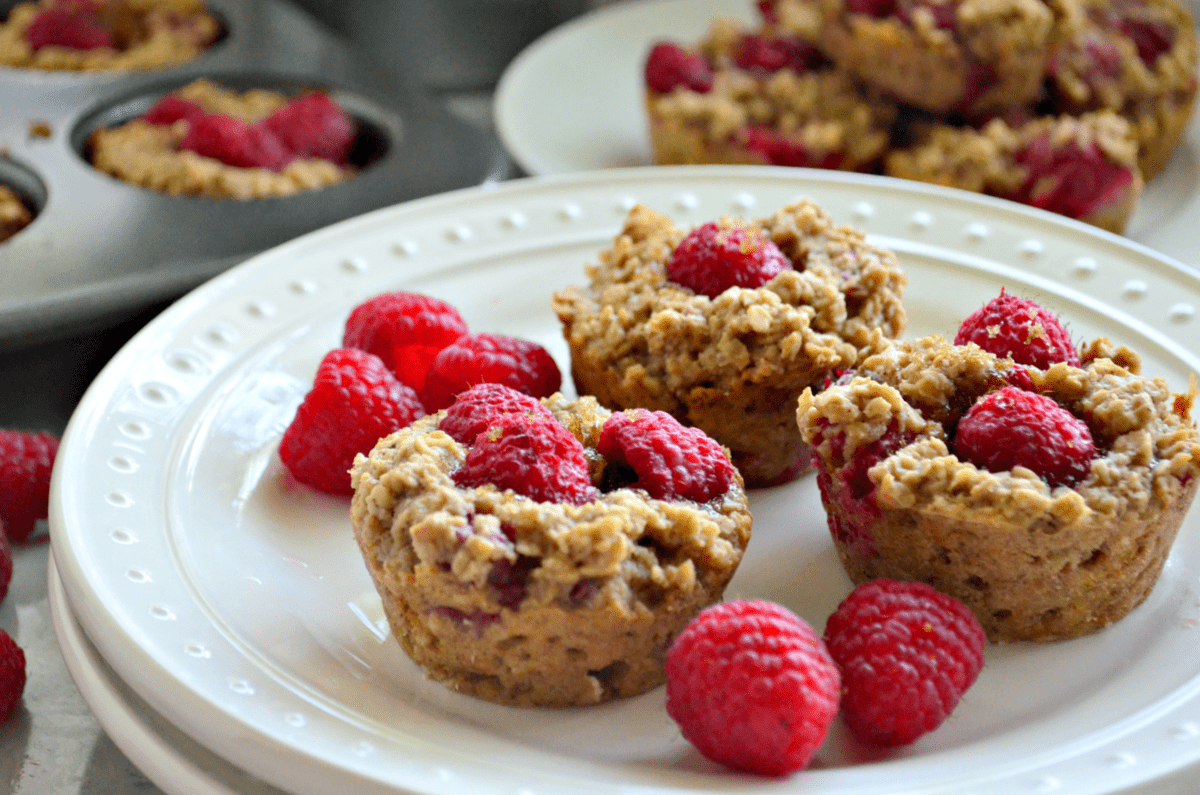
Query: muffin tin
98,247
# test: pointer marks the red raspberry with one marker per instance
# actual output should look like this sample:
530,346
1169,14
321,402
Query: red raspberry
907,653
478,408
783,151
533,455
354,402
670,66
67,27
1012,427
729,253
672,462
12,675
1020,330
6,562
1068,180
1142,24
875,8
523,365
171,109
767,54
26,460
235,143
406,330
314,126
752,686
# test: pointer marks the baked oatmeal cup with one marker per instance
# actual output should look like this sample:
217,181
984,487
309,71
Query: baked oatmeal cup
208,140
106,35
535,602
732,363
760,98
1033,561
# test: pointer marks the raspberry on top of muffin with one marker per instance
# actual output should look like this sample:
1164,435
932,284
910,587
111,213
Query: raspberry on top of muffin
723,326
546,552
1046,497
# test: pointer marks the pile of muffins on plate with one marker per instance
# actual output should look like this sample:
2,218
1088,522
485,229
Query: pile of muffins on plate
1066,105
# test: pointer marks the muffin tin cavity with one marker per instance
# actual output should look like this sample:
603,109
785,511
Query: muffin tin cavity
102,248
22,197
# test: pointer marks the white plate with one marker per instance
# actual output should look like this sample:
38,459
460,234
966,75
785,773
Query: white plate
174,762
235,602
573,101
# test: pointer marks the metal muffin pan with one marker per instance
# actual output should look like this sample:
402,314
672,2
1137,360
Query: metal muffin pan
99,248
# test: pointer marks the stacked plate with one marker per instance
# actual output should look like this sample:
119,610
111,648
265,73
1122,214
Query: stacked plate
220,620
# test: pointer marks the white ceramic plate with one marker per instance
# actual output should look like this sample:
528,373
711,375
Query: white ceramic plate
174,762
235,603
573,101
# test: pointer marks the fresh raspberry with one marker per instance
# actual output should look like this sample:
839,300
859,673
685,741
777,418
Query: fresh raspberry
314,126
12,675
875,8
670,66
767,54
533,455
1012,427
235,143
476,409
672,462
523,365
171,109
26,460
406,330
1021,330
730,253
1068,180
752,686
354,402
907,653
1142,25
6,562
783,151
63,27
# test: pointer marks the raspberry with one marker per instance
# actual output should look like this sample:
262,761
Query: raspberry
12,675
354,402
6,562
314,126
406,330
532,455
752,686
1012,427
763,53
907,653
669,66
480,358
476,409
875,8
1151,35
730,253
71,28
26,460
782,151
1021,330
1069,180
235,143
171,109
672,462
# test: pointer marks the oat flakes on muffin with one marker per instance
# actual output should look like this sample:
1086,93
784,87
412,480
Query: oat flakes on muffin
1035,556
570,595
733,361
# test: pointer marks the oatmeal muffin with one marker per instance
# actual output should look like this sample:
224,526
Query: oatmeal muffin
560,582
962,57
94,35
1041,551
760,98
208,140
1135,57
1083,167
730,359
14,215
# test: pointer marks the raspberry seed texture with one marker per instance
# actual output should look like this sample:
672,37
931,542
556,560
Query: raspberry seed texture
481,358
1021,330
722,254
671,461
26,461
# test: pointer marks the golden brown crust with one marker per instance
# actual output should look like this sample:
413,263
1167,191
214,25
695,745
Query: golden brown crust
733,365
610,583
14,215
1033,563
149,155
